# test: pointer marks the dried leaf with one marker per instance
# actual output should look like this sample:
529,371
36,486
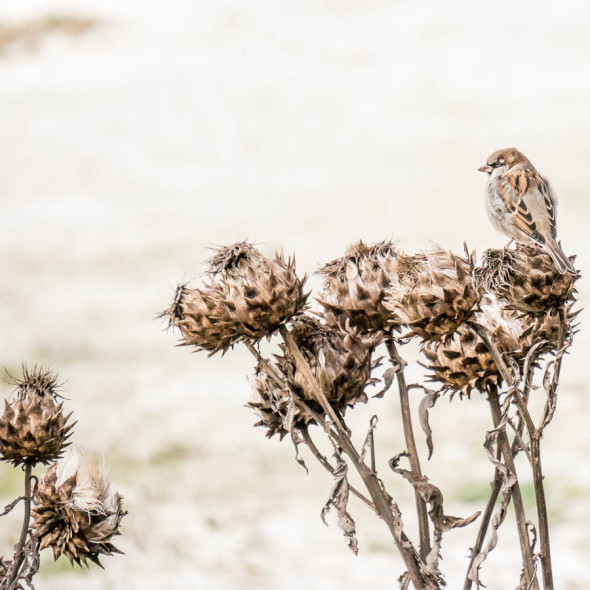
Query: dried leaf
432,496
427,402
339,500
368,444
297,439
388,378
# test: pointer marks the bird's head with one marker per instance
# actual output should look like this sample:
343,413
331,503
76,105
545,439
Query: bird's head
504,159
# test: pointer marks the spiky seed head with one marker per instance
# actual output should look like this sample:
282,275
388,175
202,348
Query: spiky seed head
76,511
356,284
339,359
33,427
434,292
462,362
274,404
525,278
244,297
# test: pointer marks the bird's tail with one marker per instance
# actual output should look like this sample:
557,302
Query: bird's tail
562,262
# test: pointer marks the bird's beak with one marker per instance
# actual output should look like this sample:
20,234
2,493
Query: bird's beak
485,168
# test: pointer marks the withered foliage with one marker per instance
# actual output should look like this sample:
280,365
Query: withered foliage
484,329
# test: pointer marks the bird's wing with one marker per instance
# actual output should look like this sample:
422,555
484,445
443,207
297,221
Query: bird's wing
549,201
513,188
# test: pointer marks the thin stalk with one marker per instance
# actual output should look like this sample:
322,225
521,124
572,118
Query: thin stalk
381,499
498,476
535,438
546,567
541,512
19,555
485,522
421,509
521,522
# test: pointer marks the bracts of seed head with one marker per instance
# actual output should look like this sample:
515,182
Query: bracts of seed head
77,513
355,287
274,403
462,362
243,297
525,279
433,293
340,361
34,428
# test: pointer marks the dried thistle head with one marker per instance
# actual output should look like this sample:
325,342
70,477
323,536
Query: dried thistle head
433,293
526,279
244,297
356,284
76,512
274,404
462,362
339,359
33,427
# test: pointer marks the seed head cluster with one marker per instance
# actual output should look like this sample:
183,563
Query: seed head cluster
516,296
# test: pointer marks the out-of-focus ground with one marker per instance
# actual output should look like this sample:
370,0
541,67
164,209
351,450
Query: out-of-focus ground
130,148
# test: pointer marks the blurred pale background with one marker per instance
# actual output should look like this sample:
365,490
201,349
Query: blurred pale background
130,148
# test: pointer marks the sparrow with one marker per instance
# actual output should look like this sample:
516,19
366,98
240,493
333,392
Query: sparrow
520,203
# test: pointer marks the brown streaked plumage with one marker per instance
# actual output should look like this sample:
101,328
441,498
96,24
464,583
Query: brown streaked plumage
521,205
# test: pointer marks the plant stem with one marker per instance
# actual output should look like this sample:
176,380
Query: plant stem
485,522
541,511
19,555
381,499
421,510
498,476
535,443
521,522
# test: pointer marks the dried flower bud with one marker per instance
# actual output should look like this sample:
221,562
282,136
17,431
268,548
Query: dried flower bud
526,278
355,286
434,292
33,428
274,404
245,297
462,361
76,512
340,361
